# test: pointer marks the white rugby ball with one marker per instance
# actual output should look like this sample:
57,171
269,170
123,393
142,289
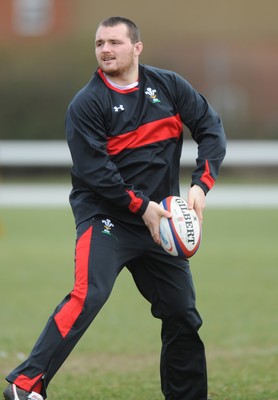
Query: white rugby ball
181,234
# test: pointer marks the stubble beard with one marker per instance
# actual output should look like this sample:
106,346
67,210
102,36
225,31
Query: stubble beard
118,70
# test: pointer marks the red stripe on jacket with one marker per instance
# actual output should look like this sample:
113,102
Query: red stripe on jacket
206,177
163,129
135,203
69,313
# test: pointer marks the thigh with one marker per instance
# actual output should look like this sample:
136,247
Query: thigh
110,247
166,282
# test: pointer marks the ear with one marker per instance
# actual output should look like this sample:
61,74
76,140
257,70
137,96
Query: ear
138,48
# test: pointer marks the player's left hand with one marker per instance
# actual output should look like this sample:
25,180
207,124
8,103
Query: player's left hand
197,201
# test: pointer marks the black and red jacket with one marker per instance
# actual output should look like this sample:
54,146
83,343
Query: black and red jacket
126,144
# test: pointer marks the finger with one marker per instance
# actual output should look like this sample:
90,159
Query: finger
157,238
190,201
199,215
166,214
155,234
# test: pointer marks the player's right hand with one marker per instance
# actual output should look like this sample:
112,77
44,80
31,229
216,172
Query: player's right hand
152,217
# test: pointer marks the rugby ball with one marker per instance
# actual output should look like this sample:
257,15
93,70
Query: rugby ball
181,234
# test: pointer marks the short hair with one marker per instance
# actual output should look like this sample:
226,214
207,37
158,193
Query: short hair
133,31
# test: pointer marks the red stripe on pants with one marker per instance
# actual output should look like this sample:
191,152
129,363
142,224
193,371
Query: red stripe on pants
69,313
26,383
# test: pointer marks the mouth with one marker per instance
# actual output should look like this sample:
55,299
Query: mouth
107,59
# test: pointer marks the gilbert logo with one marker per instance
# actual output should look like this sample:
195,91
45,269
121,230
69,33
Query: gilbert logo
152,95
189,219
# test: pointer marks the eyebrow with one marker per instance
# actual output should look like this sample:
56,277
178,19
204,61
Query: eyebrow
98,41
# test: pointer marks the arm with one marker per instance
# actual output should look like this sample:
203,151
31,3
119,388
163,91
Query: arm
207,130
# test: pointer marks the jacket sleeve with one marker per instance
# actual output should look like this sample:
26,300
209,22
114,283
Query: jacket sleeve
92,166
206,129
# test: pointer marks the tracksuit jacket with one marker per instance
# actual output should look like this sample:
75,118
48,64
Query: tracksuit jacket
126,144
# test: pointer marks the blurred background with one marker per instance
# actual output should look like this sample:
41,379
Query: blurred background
228,50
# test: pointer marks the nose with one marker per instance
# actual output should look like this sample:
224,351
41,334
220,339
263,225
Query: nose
106,47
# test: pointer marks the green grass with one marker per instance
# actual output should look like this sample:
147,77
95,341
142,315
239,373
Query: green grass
235,273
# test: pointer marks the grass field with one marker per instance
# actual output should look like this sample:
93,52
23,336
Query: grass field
236,275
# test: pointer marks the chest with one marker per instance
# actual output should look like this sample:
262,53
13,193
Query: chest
129,111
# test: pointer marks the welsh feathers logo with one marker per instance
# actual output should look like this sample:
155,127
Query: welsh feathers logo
107,226
152,95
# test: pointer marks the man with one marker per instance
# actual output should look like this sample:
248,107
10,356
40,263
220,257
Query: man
124,131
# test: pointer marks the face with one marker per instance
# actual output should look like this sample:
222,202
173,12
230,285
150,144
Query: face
116,55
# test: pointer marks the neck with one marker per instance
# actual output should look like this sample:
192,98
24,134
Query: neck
121,86
124,79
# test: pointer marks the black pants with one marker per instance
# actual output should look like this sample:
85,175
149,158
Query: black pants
103,247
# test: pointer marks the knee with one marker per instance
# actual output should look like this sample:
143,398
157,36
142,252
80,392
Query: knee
95,299
182,320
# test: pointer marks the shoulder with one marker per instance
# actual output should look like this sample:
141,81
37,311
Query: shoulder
165,76
92,94
161,73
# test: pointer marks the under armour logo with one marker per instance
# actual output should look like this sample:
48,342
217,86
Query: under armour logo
121,107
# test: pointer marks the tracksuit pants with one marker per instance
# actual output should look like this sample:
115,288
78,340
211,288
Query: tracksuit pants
104,246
